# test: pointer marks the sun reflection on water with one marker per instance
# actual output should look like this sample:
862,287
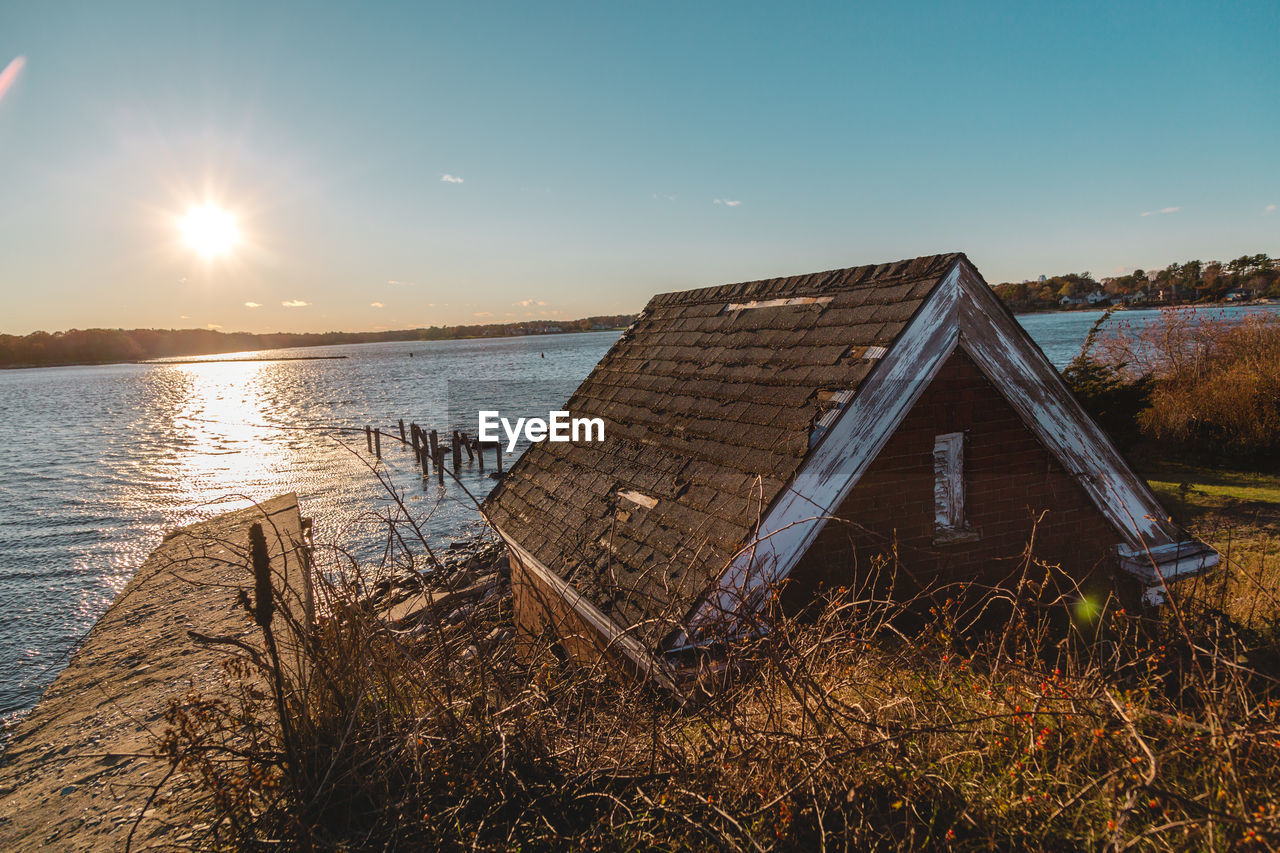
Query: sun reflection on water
224,425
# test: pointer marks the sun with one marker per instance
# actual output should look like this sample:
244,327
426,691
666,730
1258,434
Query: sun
209,230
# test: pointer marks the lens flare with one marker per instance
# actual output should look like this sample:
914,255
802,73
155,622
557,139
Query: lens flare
10,74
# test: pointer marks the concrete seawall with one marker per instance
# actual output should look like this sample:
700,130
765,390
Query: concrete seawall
79,770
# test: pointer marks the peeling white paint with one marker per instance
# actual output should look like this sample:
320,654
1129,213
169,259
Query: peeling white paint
1166,562
1014,364
948,482
778,303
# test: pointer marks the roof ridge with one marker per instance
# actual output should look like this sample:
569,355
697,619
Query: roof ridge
924,266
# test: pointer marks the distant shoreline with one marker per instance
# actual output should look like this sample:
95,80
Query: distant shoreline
1072,309
462,333
199,360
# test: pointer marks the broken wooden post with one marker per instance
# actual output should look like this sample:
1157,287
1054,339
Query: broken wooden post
415,437
497,446
368,438
480,454
438,459
402,431
466,445
435,445
456,447
377,442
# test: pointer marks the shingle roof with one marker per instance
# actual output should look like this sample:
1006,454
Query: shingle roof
709,409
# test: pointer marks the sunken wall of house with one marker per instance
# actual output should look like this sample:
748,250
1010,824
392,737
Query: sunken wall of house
1013,489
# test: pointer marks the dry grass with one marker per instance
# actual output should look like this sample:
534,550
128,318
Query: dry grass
844,730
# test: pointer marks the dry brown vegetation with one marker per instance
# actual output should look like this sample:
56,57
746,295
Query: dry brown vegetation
1213,383
871,724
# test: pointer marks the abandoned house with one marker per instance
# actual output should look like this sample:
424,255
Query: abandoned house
783,430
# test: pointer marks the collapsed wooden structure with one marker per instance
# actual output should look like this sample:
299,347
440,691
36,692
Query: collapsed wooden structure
745,422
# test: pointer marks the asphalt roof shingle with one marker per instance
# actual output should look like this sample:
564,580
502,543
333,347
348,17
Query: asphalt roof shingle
709,410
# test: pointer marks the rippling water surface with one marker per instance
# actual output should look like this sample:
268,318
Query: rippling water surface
96,463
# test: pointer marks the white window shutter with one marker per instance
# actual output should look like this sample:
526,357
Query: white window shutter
948,482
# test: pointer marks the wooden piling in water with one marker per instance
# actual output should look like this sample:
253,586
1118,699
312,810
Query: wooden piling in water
456,447
414,436
497,446
402,441
438,455
480,454
435,445
377,442
368,437
466,445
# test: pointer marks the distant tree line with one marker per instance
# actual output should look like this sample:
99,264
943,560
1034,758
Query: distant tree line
1247,277
105,346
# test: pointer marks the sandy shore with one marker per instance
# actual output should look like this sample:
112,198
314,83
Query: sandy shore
79,770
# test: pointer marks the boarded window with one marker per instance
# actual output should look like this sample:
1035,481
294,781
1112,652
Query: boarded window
948,482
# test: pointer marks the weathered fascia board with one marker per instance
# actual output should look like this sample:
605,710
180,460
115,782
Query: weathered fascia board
1008,357
834,465
613,635
1164,563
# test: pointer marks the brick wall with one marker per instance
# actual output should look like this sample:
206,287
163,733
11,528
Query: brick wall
1010,480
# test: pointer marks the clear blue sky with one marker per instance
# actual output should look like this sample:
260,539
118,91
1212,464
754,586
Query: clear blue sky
593,141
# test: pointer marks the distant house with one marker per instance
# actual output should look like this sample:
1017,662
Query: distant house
1239,294
1098,299
792,429
1073,301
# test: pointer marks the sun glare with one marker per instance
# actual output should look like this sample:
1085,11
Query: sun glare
209,230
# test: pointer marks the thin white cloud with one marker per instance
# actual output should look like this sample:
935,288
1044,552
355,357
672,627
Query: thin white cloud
1161,210
184,316
450,179
483,314
728,202
253,305
1271,208
213,327
663,197
397,281
295,303
376,305
530,303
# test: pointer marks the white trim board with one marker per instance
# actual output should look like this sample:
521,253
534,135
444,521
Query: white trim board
836,464
961,312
